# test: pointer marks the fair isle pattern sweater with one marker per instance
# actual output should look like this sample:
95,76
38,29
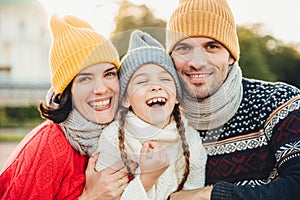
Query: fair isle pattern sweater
257,152
43,166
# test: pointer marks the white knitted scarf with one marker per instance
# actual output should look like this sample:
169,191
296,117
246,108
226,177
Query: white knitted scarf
137,132
82,134
216,110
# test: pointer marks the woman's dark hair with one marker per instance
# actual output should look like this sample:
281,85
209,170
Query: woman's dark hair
60,112
181,129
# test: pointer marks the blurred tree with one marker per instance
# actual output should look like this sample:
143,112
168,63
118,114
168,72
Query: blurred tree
283,60
264,57
252,60
130,17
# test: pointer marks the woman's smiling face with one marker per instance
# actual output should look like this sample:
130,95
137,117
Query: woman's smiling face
95,92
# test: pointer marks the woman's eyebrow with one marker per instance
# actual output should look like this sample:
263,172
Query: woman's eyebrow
83,74
110,69
89,73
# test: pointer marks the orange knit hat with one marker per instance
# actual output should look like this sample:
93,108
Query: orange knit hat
206,18
76,46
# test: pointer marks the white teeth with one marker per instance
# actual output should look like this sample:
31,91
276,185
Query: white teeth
199,75
101,103
160,99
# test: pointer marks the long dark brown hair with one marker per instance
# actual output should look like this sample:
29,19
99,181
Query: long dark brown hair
60,112
180,127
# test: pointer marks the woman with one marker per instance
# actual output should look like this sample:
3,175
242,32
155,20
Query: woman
50,162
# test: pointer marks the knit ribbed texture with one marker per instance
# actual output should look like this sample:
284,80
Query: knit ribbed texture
44,166
75,46
144,49
222,190
82,134
216,110
203,18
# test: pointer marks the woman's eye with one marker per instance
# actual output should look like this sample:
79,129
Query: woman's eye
111,74
84,79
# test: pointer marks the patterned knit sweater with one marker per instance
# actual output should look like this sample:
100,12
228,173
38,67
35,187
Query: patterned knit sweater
43,166
258,150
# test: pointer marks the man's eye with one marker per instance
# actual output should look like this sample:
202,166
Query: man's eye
182,49
211,46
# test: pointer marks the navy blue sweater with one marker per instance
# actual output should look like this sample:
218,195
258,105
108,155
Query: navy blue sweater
256,154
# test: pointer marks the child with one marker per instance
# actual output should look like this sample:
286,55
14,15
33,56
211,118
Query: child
151,130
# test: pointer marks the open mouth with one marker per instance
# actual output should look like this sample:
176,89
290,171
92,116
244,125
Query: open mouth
101,104
156,102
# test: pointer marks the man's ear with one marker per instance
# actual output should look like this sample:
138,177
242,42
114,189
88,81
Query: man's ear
125,102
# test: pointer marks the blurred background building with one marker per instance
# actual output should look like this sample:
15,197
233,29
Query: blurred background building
24,47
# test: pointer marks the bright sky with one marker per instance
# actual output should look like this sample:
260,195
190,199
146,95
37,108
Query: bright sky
281,18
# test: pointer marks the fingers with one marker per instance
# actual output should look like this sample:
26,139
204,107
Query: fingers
151,144
92,163
123,181
116,167
148,148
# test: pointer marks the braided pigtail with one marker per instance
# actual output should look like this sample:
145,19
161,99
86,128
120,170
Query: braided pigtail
185,146
121,135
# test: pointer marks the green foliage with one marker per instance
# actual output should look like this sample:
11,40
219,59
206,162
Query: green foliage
264,57
252,60
19,116
11,137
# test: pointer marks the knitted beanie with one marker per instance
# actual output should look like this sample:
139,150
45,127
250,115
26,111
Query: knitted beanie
204,18
76,46
144,49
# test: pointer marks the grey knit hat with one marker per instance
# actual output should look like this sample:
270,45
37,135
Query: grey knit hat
144,49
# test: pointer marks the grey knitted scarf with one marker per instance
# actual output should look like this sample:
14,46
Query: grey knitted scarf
216,110
82,134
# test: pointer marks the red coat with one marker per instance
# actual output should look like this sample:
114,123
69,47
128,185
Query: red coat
43,166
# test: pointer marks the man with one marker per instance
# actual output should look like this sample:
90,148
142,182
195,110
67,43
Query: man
250,128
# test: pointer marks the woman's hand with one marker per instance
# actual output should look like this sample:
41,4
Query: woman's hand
107,184
153,162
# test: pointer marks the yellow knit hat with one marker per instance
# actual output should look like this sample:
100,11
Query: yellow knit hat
206,18
76,46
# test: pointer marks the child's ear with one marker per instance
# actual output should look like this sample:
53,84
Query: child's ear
125,102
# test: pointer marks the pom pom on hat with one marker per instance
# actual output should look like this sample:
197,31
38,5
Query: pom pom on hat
203,18
144,49
76,46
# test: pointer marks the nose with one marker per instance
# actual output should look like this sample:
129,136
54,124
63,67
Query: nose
198,58
100,87
155,87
